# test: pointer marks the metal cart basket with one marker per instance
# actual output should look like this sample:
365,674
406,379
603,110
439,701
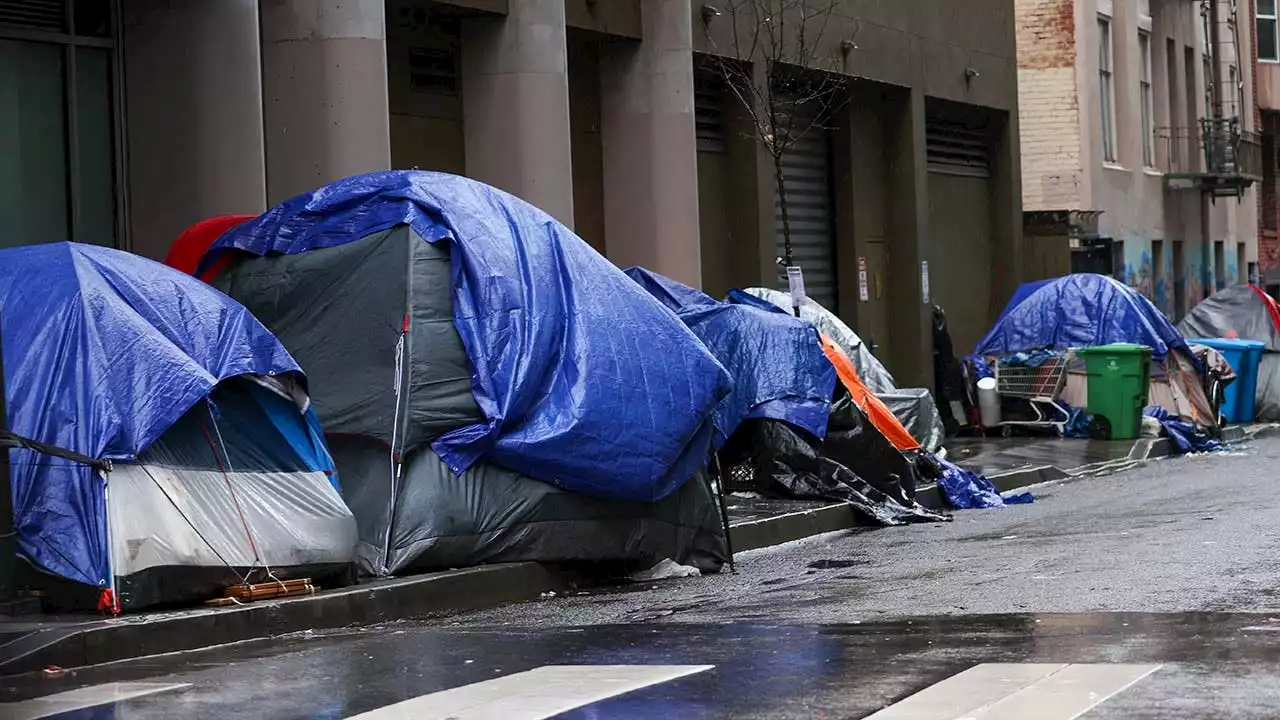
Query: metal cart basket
1039,385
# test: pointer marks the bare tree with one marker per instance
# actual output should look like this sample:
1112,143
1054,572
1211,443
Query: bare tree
802,85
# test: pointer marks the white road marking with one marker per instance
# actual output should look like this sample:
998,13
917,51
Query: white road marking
995,691
977,687
532,695
82,698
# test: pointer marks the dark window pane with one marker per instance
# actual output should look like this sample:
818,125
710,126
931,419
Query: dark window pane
93,17
33,162
1267,49
97,219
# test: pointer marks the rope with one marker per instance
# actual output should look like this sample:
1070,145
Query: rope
257,556
225,470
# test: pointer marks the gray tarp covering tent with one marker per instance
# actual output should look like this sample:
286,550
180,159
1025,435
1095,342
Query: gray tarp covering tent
340,310
1248,313
914,407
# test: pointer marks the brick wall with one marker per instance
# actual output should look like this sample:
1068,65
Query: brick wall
1048,105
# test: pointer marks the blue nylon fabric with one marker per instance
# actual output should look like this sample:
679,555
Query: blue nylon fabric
1081,310
305,438
103,352
779,370
585,380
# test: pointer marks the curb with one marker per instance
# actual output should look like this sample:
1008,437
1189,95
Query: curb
423,596
96,642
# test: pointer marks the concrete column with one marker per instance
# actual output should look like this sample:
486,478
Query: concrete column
650,149
515,104
911,333
193,97
324,77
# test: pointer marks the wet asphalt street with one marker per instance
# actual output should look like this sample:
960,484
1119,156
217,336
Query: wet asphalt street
1153,593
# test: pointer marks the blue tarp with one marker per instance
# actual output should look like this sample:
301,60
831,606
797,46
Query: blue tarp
1185,436
104,351
1081,310
779,370
585,380
967,490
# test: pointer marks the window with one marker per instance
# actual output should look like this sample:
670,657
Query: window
1268,44
1171,83
57,122
1106,90
1145,99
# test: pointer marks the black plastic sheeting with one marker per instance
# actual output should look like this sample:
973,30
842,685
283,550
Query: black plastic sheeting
855,464
489,514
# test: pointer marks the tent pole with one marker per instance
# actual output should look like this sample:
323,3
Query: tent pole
717,470
8,537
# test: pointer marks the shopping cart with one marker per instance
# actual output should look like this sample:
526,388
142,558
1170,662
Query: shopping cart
1039,385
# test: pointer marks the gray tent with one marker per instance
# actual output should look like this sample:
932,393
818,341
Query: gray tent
1248,313
340,312
915,408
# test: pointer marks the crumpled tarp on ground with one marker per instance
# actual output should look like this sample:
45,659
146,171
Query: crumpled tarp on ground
103,352
1245,312
967,490
771,456
1185,436
776,362
539,311
915,408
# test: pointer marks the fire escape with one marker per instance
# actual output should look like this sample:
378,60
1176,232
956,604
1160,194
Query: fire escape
1232,155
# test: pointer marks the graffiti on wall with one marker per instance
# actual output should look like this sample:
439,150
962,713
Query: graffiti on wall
1194,281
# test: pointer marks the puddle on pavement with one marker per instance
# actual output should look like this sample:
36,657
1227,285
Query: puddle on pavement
834,564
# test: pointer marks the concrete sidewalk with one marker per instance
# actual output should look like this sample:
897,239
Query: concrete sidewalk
34,643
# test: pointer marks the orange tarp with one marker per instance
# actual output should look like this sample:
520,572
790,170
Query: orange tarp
876,410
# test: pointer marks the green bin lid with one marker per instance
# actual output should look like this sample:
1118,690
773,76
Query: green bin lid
1115,349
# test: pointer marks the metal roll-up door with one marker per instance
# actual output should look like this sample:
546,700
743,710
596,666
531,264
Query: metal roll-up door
806,178
962,264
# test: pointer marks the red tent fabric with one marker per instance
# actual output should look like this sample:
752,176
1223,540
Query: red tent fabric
194,241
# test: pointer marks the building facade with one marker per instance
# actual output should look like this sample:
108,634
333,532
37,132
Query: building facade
1267,84
1139,148
126,121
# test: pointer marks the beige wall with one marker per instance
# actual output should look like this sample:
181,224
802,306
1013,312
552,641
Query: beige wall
1268,85
194,124
1049,107
324,86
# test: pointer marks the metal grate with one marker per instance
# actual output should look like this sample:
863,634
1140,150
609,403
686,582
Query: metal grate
957,148
433,70
50,15
709,114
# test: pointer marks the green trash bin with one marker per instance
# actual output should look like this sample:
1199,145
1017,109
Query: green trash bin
1118,375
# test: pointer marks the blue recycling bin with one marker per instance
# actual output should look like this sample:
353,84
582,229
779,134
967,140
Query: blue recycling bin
1244,356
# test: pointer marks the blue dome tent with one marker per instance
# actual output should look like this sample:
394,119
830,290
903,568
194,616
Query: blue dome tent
1087,310
218,466
493,389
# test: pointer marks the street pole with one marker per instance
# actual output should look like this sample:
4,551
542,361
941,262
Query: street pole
8,536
